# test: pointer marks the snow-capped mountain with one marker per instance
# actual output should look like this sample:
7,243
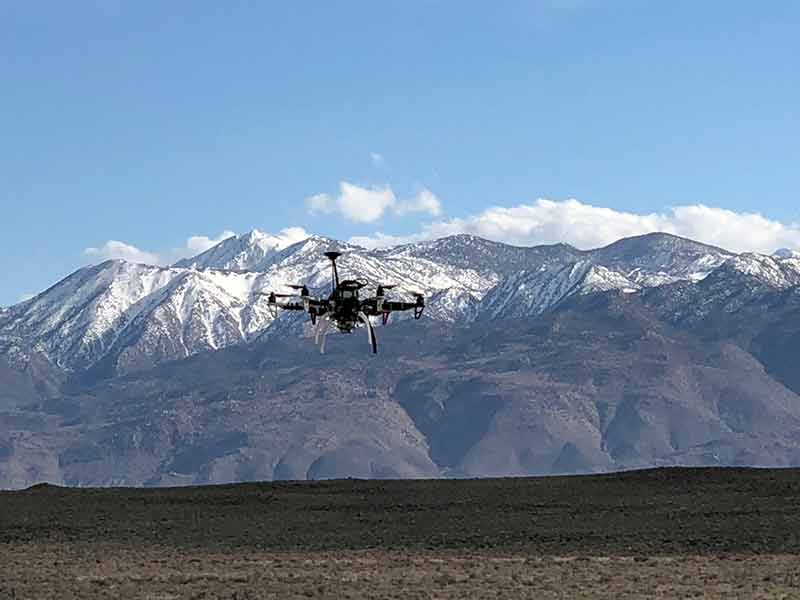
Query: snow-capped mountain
488,257
525,294
121,317
766,270
124,309
253,251
741,281
658,258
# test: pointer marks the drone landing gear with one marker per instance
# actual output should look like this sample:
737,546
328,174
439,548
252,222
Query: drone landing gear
373,339
419,307
321,332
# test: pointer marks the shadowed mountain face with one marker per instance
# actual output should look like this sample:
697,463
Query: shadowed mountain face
564,367
599,384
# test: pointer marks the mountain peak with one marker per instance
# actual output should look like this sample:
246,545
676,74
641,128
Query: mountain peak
252,236
662,239
248,252
659,257
283,239
786,253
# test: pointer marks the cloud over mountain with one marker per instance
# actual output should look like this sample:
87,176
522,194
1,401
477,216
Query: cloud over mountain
200,243
586,226
114,249
540,222
196,244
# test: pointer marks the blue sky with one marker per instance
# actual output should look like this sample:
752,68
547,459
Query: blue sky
148,122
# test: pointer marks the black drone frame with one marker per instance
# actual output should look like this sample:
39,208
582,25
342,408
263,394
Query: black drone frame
343,308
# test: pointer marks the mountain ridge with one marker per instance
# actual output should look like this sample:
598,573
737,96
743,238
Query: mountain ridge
86,317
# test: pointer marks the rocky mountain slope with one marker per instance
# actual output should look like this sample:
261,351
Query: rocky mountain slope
598,384
654,350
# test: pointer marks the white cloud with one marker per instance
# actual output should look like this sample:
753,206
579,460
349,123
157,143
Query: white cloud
587,226
320,204
425,202
377,159
114,249
364,205
540,222
382,240
740,231
368,204
291,235
24,297
197,244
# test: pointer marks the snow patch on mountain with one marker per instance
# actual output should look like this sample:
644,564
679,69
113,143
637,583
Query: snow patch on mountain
767,270
83,318
525,293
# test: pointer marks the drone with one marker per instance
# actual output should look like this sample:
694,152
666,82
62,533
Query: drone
343,308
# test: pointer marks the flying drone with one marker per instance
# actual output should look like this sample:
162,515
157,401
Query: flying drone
343,308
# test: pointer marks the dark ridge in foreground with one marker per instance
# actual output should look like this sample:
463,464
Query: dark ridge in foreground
661,511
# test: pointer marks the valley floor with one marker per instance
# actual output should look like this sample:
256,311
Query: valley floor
45,571
667,533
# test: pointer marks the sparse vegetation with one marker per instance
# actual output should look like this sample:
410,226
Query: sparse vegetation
663,533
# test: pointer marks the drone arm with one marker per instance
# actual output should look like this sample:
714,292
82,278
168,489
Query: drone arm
417,307
390,306
290,306
371,307
374,307
320,305
377,306
274,305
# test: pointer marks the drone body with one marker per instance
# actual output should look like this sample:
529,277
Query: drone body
343,308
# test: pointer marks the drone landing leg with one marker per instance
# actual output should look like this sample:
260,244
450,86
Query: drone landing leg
324,337
320,332
373,339
317,328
